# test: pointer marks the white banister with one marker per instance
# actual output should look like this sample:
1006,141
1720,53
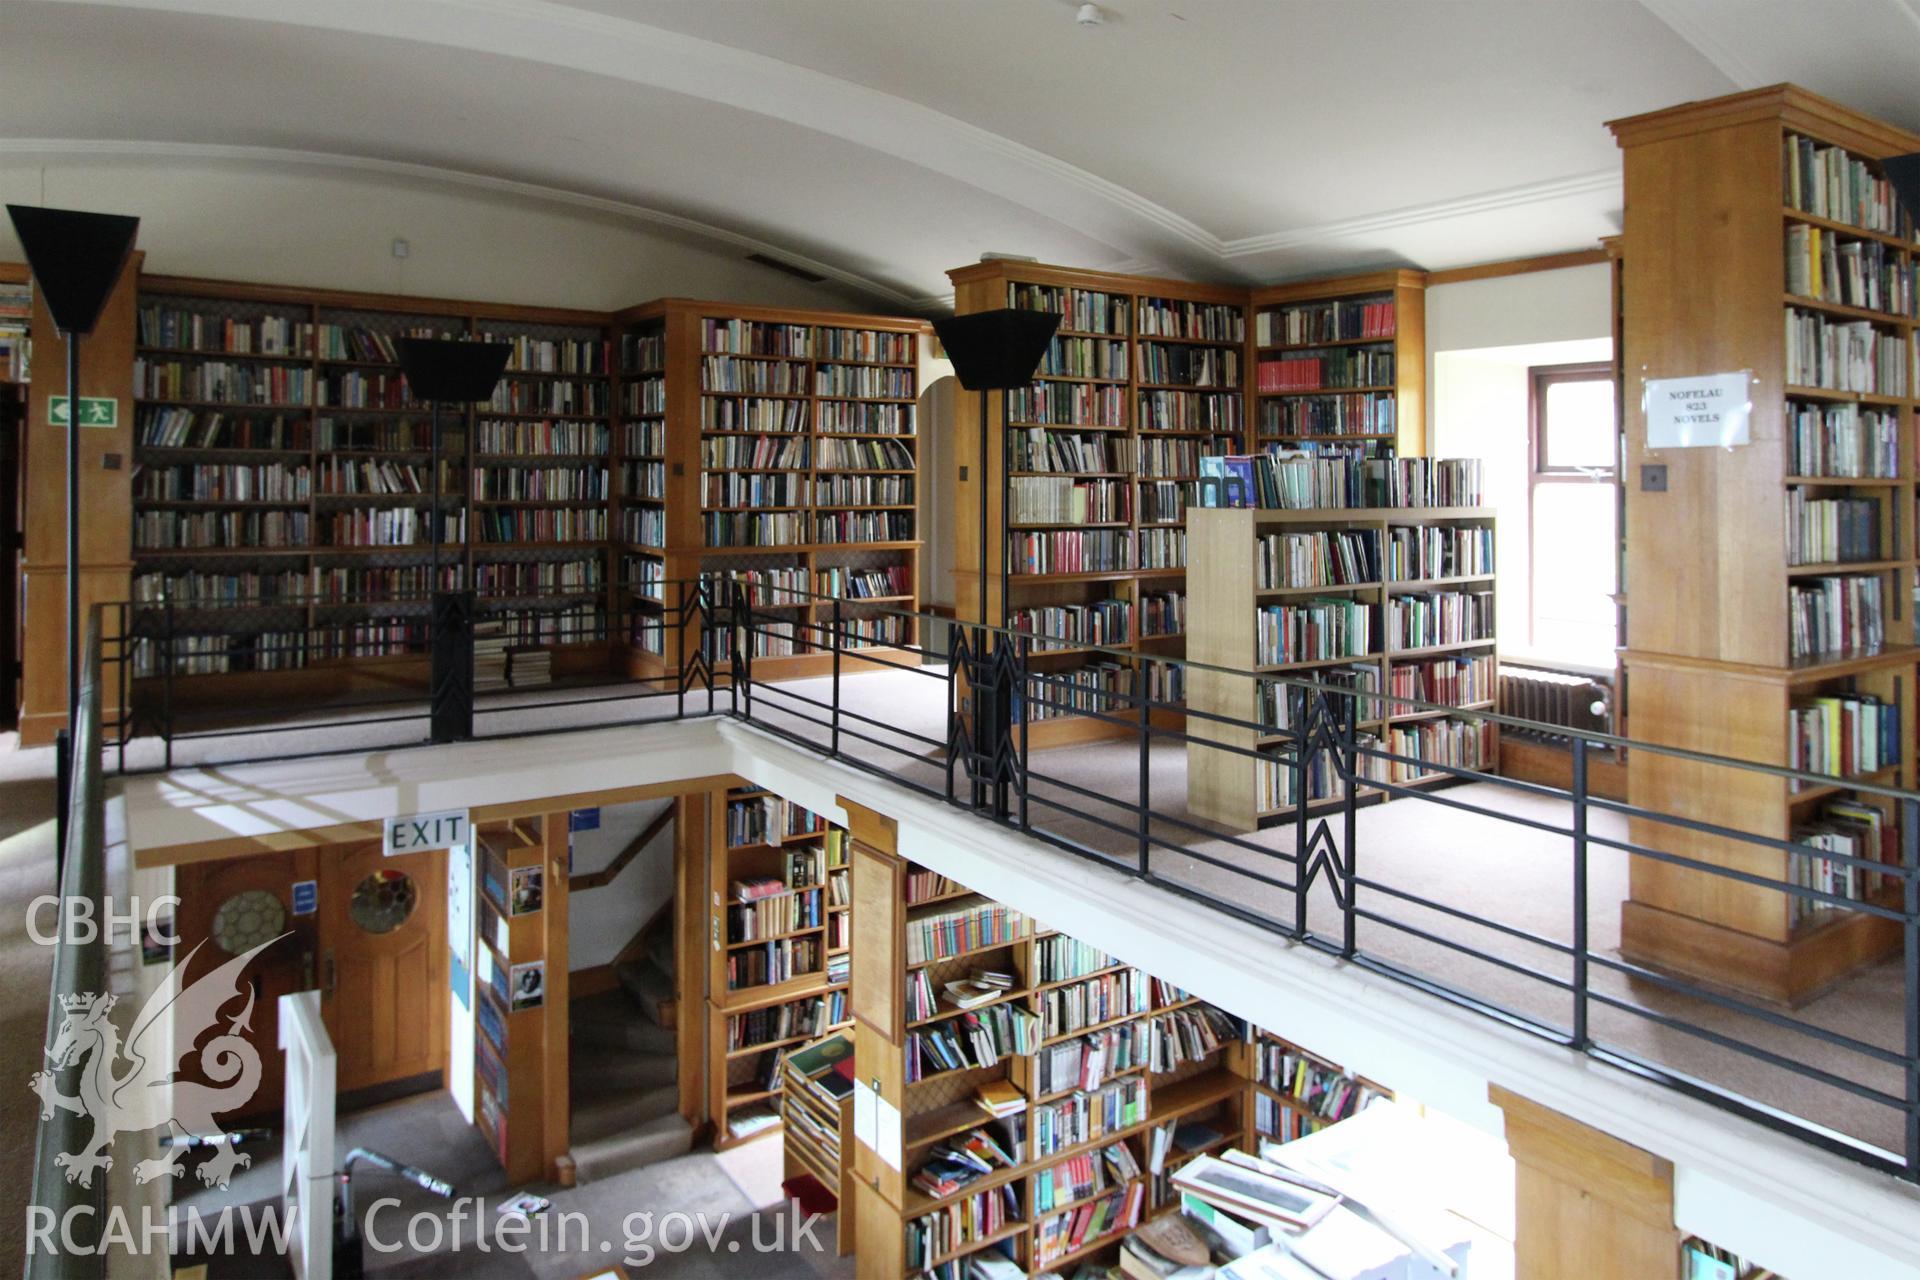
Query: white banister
306,1155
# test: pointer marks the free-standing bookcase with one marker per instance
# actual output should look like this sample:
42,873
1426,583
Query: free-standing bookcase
1734,642
1400,600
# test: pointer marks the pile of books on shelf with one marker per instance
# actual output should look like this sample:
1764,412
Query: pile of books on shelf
489,656
531,667
961,1161
1300,479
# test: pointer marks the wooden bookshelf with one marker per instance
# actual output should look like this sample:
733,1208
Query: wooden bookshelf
295,395
804,419
753,1018
1233,583
1054,982
1368,334
1144,376
1710,655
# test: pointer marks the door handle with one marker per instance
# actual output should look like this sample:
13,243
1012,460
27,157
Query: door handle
332,974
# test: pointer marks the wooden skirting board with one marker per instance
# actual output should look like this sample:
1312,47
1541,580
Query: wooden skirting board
1787,973
1552,766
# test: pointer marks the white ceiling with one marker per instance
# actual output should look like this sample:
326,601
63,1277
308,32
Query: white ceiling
883,141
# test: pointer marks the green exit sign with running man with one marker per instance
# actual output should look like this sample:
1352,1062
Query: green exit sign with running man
95,411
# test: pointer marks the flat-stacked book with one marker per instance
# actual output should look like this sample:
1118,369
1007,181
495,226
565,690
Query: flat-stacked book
1253,1194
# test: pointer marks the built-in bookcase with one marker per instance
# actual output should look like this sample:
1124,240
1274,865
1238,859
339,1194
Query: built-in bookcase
780,933
1772,583
1092,469
283,481
1340,366
1108,1081
282,502
791,458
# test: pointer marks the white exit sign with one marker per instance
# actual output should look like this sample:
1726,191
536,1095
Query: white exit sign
420,832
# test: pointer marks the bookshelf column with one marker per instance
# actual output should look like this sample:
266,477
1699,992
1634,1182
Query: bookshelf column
106,475
1751,634
1586,1204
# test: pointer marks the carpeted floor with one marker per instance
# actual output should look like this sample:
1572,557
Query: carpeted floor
1474,859
732,1219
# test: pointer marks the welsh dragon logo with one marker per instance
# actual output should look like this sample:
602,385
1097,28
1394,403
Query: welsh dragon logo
145,1096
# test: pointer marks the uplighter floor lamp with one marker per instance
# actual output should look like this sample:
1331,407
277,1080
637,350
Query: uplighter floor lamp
76,259
993,351
449,371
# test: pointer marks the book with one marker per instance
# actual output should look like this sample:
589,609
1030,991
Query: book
1265,1197
1000,1098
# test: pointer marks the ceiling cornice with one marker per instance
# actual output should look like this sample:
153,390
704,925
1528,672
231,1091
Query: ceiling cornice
1698,29
222,153
1599,182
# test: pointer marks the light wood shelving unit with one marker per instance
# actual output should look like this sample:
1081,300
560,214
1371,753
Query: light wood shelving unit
1210,1090
836,394
1709,655
520,1082
750,1025
1126,356
1228,594
326,401
570,499
1328,323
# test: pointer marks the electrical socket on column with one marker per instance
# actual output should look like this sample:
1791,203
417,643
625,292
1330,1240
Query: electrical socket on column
401,248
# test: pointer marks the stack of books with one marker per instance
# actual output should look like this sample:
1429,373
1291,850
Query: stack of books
489,656
531,667
1000,1098
960,1162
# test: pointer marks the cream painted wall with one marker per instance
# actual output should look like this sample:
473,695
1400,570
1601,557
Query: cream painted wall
325,228
1506,311
1482,337
602,921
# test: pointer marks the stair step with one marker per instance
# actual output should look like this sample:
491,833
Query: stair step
657,1140
660,949
611,1021
597,1071
613,1115
648,986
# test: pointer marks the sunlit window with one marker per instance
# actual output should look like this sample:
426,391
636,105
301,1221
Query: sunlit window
1574,501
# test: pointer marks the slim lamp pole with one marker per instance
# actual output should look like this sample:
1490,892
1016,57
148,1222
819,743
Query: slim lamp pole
73,540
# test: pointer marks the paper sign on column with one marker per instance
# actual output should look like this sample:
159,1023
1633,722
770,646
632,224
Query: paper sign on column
887,1142
1707,411
866,1119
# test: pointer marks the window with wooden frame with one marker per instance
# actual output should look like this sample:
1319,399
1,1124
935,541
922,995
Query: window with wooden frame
1573,508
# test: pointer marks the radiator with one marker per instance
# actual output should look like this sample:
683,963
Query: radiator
1564,699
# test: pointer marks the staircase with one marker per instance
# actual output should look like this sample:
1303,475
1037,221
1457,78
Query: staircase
624,1069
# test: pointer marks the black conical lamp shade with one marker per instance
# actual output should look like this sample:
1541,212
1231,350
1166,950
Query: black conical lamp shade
76,259
448,369
996,350
1904,173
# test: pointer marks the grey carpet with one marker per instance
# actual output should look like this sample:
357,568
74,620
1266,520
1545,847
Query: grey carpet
1472,861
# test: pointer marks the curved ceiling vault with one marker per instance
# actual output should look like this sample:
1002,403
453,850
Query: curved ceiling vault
879,142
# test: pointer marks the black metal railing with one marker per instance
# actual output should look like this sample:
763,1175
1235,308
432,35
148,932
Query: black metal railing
71,1203
1491,893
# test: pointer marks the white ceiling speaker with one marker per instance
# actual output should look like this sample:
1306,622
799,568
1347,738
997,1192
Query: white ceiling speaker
1090,15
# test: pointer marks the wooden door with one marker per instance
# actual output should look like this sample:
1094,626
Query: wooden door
383,963
245,901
